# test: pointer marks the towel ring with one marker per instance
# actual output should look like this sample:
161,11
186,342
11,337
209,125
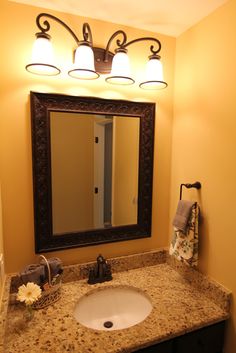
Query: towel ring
196,185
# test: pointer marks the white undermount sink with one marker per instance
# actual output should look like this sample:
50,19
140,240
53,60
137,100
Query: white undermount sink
112,308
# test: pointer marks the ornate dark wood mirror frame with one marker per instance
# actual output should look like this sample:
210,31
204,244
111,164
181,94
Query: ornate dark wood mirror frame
41,106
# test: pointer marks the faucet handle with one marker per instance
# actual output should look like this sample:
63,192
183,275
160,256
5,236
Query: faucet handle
91,278
108,274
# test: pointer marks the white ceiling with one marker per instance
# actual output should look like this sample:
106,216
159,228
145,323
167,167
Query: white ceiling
170,17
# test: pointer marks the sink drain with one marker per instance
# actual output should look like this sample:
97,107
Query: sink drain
108,324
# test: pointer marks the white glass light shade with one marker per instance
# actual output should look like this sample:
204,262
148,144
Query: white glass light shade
42,58
120,70
83,67
154,75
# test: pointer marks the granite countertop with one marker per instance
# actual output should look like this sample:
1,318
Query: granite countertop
183,300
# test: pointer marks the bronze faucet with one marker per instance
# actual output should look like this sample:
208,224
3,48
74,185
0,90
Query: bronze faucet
101,271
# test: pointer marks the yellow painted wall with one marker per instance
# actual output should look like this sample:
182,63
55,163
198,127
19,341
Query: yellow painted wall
17,38
125,170
72,155
2,271
204,141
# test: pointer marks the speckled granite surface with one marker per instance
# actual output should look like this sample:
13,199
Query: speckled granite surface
180,305
3,312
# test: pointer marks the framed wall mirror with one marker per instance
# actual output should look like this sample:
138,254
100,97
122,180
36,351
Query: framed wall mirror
92,170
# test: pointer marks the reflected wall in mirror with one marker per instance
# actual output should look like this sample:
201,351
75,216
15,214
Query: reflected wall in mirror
92,169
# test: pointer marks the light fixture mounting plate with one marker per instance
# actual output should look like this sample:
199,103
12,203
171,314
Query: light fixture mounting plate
102,60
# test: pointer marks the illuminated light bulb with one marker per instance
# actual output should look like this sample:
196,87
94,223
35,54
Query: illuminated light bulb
154,74
83,67
42,57
120,70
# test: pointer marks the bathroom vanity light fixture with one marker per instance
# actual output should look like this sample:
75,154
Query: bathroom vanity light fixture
90,61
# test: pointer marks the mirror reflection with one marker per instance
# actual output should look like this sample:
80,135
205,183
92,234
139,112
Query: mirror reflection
94,171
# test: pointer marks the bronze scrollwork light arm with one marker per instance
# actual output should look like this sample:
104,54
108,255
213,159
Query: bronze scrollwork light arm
45,27
124,44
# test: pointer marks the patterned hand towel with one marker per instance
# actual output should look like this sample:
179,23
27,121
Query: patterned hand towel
184,244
